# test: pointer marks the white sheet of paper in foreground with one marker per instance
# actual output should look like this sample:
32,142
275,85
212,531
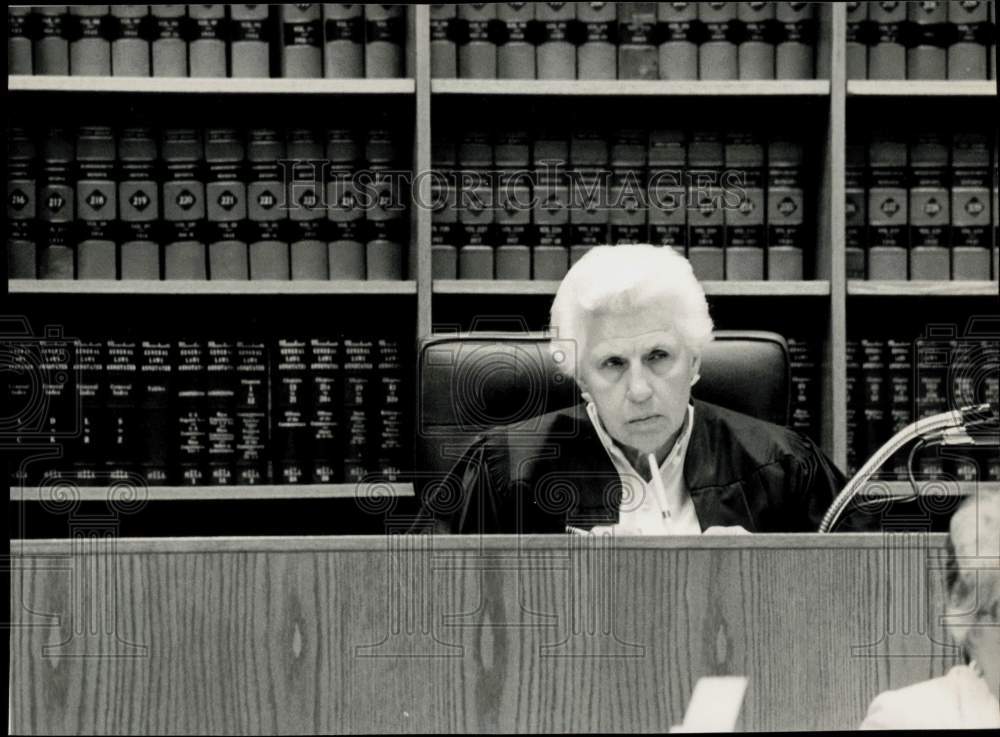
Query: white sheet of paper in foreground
715,705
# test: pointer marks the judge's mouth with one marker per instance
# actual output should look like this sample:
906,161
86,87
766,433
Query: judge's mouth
647,420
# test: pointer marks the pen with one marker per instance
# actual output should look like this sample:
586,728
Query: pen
654,471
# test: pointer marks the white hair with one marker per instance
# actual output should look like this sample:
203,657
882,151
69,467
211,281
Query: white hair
622,278
974,565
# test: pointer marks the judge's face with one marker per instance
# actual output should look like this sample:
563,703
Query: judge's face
636,369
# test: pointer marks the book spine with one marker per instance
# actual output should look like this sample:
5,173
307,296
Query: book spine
55,206
52,45
123,427
855,406
970,205
995,189
596,56
184,205
756,50
551,205
900,391
96,204
191,413
930,235
139,203
90,40
967,55
555,55
226,205
291,401
638,57
385,222
19,22
990,392
358,377
302,41
252,429
857,41
157,363
887,209
207,47
22,252
744,207
325,461
385,31
887,55
169,45
926,53
58,391
933,357
802,355
787,235
875,394
966,388
590,193
306,213
477,52
252,29
628,221
475,206
681,32
390,447
667,189
855,215
717,55
513,205
445,231
220,401
130,50
706,217
91,387
444,35
796,50
346,216
515,52
343,40
266,210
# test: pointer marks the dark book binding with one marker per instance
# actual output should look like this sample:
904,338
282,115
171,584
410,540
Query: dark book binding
717,54
130,49
802,355
667,189
596,56
887,54
88,450
191,413
757,43
389,453
855,210
251,27
306,203
19,32
343,40
444,52
787,236
477,51
744,205
706,217
169,43
628,221
55,206
680,34
184,204
930,232
220,403
124,426
301,41
139,203
900,391
795,52
252,428
90,44
226,204
875,427
638,57
157,364
324,463
556,51
291,400
22,254
385,38
207,46
96,204
888,202
358,377
266,210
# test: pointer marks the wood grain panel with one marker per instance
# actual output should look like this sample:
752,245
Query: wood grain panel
419,635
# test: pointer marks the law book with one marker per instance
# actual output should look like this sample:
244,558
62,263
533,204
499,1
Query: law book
477,53
252,428
358,395
875,395
512,155
324,357
796,50
51,49
638,56
56,258
388,457
184,253
90,42
343,40
804,373
19,22
887,208
266,213
667,189
628,221
706,217
444,36
857,41
207,46
993,75
475,206
252,32
933,357
926,53
96,204
717,54
854,388
678,50
220,404
348,233
169,43
386,229
550,214
744,206
787,236
22,251
291,399
445,230
995,189
556,50
301,41
306,203
515,52
56,394
899,379
86,453
226,205
590,181
855,212
157,363
385,39
596,56
887,55
930,231
124,426
757,46
970,205
139,204
190,408
130,49
967,55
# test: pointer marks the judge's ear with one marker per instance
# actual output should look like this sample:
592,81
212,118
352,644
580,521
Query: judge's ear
695,365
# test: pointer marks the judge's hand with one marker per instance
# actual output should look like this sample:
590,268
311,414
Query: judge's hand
723,530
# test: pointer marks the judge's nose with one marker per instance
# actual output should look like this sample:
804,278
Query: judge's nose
639,389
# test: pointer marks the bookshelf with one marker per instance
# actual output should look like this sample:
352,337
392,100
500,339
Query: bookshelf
221,286
632,88
194,493
864,288
209,85
921,88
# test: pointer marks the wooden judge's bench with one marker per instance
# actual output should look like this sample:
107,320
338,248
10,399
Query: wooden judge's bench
400,633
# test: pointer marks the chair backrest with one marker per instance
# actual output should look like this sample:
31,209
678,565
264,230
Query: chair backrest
474,381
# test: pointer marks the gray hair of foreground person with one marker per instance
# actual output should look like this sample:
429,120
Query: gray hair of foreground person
610,279
973,571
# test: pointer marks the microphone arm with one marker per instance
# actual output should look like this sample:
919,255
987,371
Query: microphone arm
949,428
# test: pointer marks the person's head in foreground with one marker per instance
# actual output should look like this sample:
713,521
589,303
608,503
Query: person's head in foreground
969,695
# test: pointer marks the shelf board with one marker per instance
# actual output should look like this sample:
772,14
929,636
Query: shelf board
814,288
945,487
921,88
633,87
210,85
194,493
267,286
864,288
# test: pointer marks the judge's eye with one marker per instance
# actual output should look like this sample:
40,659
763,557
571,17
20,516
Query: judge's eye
612,362
658,355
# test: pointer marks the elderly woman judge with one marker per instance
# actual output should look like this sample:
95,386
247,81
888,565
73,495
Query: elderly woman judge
629,324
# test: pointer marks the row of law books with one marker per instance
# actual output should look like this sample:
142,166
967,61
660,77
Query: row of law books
724,40
922,206
894,381
218,203
258,41
921,40
510,204
218,411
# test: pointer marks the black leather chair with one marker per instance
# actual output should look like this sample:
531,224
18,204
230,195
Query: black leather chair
470,382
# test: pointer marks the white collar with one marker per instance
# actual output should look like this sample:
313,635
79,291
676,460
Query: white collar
675,455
